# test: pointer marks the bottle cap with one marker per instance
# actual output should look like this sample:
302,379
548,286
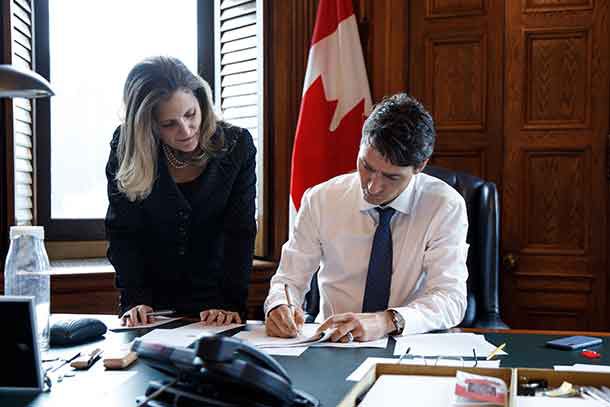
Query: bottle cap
35,231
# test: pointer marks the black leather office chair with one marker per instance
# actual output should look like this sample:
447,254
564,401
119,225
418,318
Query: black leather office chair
481,198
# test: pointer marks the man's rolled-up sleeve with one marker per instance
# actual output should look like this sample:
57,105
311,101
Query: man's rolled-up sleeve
300,257
442,303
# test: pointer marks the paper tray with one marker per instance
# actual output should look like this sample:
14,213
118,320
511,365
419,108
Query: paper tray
394,369
555,378
510,376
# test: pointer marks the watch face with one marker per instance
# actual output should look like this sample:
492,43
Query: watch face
399,321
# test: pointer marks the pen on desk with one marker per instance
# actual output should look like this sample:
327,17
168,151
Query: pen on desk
64,362
405,353
495,351
157,313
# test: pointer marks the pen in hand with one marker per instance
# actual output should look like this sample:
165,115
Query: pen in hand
291,305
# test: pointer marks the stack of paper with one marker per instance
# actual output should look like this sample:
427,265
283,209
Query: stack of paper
395,390
446,344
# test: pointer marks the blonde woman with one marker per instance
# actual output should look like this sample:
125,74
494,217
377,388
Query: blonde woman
181,191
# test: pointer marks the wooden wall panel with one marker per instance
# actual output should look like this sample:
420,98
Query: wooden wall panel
453,8
457,91
544,6
556,194
557,78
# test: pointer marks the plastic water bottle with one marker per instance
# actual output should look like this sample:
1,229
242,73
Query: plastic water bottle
27,273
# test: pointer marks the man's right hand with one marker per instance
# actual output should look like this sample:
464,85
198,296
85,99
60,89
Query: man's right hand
137,315
284,321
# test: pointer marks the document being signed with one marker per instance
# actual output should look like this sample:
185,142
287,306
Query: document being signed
309,336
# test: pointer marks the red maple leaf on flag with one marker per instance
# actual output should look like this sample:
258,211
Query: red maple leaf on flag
323,153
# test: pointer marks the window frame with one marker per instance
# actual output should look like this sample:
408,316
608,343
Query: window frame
89,229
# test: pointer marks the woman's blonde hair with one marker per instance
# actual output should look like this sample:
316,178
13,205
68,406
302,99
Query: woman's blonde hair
148,83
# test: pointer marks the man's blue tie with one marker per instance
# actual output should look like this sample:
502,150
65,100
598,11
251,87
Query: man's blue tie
379,277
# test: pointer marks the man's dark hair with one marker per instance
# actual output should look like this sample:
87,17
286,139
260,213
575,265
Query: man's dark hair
401,130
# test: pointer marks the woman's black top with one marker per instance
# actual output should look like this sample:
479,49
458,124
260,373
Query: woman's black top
188,255
189,189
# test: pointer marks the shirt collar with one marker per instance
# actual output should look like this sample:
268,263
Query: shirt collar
402,203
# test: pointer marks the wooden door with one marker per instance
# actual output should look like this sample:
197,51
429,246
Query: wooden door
555,169
519,92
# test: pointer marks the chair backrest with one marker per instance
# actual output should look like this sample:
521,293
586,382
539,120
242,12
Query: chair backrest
481,198
483,309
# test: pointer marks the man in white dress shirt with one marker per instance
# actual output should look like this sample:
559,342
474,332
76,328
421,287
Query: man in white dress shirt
336,233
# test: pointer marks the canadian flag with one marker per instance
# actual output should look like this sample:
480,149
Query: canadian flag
336,100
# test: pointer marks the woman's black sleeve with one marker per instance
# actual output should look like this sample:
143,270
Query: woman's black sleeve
124,231
240,228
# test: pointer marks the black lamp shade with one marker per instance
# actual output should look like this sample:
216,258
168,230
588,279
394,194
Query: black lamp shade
17,82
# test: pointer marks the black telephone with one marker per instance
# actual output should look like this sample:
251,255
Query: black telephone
220,371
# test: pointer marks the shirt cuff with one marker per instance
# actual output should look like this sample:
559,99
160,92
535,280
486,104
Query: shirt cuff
275,298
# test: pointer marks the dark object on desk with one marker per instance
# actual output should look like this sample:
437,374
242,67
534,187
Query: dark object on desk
21,367
573,342
75,331
220,371
483,309
531,386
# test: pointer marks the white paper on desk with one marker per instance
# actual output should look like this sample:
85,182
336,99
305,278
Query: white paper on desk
539,401
412,390
198,328
365,366
167,337
185,335
446,344
158,321
379,343
257,336
583,367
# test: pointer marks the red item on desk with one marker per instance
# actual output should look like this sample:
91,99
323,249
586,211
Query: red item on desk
590,354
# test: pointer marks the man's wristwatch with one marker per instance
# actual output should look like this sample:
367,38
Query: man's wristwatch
399,322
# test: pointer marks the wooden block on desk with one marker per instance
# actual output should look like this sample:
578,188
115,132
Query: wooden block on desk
120,360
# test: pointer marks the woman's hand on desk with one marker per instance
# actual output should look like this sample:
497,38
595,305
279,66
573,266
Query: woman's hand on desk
219,317
137,315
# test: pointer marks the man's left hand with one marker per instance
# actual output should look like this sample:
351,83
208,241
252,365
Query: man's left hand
363,327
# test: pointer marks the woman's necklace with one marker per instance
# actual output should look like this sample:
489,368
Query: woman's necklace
172,159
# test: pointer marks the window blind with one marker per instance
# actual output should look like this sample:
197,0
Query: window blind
238,37
22,113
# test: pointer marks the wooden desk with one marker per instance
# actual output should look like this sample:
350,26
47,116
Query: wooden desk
319,371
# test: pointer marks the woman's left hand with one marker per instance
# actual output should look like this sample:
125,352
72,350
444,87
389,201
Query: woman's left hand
219,317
